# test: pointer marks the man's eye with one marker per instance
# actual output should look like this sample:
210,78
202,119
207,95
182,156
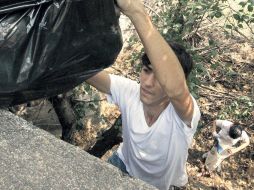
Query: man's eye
146,70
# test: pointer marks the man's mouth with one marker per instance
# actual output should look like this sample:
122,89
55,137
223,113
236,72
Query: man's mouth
146,91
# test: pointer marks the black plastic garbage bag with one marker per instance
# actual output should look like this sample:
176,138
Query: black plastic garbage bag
48,47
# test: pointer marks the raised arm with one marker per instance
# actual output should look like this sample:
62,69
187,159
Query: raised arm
242,146
245,142
166,66
214,129
101,81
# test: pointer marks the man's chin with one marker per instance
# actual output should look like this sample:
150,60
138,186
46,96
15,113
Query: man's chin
145,100
151,102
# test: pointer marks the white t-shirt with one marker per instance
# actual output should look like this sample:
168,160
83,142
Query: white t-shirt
223,137
155,154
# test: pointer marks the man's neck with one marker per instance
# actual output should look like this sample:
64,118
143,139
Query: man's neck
152,112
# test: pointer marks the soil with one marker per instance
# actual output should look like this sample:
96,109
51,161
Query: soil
218,91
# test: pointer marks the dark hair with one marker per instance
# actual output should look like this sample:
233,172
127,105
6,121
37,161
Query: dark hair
183,57
235,131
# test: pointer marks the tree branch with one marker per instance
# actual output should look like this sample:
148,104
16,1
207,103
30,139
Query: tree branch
214,90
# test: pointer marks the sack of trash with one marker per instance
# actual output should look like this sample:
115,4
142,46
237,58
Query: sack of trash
48,47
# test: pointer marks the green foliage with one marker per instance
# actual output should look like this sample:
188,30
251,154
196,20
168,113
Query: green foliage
80,110
240,108
240,17
181,20
86,101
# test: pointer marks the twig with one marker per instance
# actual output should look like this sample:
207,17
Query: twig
252,31
214,95
198,26
243,20
242,34
80,100
208,48
208,88
236,30
151,9
116,69
208,124
200,29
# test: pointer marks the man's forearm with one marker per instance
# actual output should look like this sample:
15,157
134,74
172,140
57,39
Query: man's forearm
101,81
237,149
166,65
214,128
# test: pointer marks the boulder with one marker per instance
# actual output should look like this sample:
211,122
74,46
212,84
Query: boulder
31,158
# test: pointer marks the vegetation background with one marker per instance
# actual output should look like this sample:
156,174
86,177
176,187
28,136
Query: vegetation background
219,34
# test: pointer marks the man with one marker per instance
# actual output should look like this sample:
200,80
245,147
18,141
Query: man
159,115
225,140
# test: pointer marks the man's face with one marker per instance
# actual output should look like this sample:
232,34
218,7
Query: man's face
151,93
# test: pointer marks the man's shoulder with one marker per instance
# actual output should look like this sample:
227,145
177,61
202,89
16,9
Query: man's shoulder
122,90
245,136
120,78
224,123
124,84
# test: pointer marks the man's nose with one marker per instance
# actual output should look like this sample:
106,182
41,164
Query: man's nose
149,80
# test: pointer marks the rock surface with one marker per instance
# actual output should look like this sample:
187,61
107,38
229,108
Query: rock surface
31,158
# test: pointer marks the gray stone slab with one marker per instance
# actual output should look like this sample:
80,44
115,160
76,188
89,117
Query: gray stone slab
31,158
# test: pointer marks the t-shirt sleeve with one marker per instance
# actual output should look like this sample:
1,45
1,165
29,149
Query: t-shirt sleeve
196,114
224,124
121,90
245,137
195,118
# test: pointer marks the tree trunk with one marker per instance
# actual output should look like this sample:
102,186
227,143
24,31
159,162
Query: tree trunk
66,115
109,138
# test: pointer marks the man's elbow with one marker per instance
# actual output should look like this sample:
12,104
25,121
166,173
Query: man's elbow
179,91
247,143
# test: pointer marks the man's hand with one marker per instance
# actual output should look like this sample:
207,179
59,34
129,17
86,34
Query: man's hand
214,128
130,7
229,151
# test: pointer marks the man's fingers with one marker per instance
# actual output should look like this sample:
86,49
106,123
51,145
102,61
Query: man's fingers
115,1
